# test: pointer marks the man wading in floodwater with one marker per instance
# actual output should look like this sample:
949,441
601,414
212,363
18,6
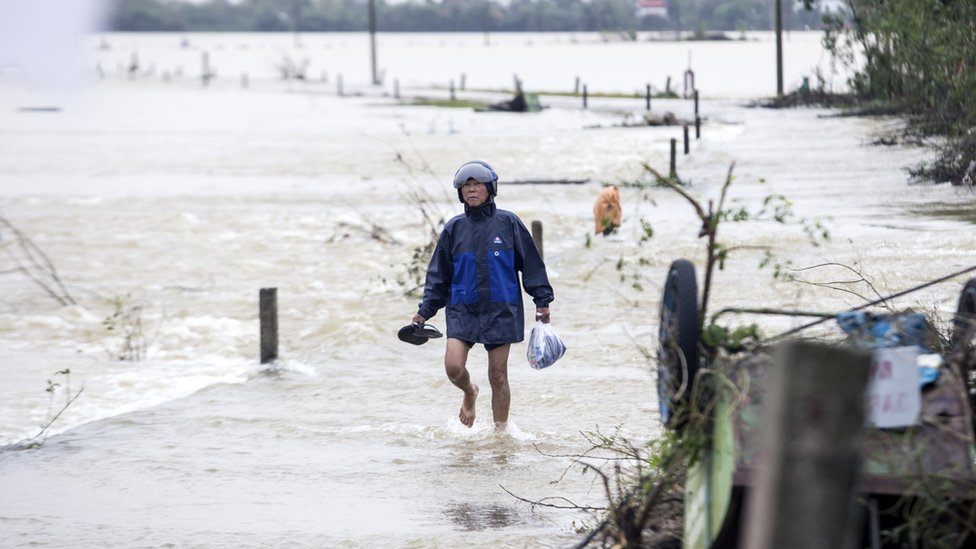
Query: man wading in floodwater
474,273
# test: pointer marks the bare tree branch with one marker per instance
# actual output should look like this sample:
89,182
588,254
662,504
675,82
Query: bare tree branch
541,502
35,264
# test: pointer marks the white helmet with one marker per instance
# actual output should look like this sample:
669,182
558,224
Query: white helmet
480,172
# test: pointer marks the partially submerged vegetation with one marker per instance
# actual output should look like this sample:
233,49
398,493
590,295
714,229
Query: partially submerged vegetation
912,59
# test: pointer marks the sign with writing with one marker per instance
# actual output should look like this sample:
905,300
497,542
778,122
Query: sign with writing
893,396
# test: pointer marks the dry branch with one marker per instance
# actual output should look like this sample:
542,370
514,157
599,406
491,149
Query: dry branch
30,260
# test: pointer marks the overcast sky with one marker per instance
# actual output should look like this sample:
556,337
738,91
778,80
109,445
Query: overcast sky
46,49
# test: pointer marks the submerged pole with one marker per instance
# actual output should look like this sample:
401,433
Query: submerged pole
268,314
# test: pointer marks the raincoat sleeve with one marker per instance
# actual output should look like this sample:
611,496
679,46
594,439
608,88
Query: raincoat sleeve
529,261
437,289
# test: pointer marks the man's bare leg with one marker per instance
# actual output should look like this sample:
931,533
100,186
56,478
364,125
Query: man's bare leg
455,359
501,396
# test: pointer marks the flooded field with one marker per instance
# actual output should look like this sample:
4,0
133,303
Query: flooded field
166,204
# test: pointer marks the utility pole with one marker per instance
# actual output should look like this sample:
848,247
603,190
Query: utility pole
487,22
372,39
677,21
779,48
296,22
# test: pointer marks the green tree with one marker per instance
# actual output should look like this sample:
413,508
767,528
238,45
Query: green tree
919,59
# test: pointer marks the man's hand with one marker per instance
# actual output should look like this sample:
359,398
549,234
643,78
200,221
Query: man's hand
542,313
417,319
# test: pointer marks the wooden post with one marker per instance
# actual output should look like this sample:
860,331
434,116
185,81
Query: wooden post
451,87
697,127
268,307
674,158
812,428
464,78
537,236
648,96
584,96
696,103
685,128
576,89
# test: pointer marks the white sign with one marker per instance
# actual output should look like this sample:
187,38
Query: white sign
893,396
652,7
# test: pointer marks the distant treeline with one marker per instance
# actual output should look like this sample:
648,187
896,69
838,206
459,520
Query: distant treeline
698,16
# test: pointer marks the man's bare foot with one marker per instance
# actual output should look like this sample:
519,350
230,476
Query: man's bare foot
501,427
467,407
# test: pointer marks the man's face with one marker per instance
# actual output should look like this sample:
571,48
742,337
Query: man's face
475,193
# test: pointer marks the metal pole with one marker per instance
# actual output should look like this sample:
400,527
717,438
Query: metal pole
372,39
779,47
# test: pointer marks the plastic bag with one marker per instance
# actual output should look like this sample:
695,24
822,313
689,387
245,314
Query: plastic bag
545,347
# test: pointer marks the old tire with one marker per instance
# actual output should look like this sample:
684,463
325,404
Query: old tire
678,339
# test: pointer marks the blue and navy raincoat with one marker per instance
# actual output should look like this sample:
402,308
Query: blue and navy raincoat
474,274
